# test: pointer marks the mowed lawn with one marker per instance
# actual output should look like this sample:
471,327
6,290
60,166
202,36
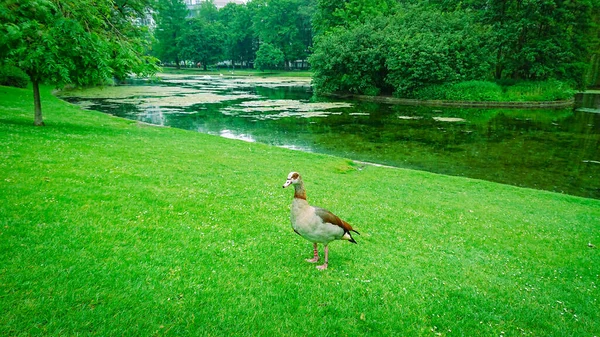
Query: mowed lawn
109,227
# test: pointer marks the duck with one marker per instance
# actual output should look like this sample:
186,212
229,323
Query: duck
315,224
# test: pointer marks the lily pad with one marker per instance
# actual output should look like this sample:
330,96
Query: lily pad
449,119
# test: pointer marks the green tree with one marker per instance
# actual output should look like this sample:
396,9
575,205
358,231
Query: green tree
268,57
346,13
81,43
202,41
412,49
284,24
541,39
170,17
207,10
351,60
426,46
239,37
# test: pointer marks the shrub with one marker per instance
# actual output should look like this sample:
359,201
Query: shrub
550,90
430,47
437,91
13,77
351,60
479,91
474,91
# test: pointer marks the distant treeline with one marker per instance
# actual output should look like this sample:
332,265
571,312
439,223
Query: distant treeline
266,34
395,47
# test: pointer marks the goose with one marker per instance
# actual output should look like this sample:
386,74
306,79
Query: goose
315,224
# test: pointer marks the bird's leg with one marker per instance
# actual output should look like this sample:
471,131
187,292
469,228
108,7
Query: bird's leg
324,266
316,254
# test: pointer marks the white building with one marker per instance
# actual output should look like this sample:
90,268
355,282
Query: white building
191,4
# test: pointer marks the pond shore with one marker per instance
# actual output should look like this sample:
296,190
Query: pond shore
304,77
464,104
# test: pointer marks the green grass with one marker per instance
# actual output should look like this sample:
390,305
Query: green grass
238,72
484,91
110,228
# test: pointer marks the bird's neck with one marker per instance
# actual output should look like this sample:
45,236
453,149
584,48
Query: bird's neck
300,192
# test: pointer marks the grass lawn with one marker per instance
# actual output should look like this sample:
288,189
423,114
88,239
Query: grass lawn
113,228
238,72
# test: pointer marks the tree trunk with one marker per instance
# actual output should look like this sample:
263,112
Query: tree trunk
498,72
37,103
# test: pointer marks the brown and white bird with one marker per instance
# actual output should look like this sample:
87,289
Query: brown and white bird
315,224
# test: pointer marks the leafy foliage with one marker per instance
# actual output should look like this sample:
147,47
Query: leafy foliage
346,13
268,57
538,40
13,77
170,18
81,43
478,91
239,36
428,45
284,24
351,60
549,90
202,42
402,53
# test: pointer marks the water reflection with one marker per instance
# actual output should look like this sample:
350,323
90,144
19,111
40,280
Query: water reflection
556,150
231,135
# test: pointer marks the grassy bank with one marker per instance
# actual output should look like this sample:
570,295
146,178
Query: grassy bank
483,91
110,227
238,72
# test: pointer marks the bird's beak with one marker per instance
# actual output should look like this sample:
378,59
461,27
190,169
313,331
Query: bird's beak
287,183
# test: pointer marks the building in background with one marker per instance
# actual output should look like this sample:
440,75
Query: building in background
192,4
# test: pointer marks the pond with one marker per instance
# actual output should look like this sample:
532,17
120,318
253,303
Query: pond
555,150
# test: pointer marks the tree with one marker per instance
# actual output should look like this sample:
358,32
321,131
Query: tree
170,20
448,41
425,46
268,57
346,13
239,37
202,41
283,24
208,11
81,43
350,61
541,39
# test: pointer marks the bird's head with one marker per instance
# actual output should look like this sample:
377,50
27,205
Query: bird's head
292,179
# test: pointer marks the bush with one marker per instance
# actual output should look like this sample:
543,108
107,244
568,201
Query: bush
483,91
437,91
550,90
351,60
474,91
13,77
408,51
478,91
427,47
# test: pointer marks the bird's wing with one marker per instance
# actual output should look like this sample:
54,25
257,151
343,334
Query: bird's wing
331,218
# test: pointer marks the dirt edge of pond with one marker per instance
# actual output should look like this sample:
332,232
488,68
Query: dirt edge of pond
465,104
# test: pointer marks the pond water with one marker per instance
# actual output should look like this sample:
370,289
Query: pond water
555,150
